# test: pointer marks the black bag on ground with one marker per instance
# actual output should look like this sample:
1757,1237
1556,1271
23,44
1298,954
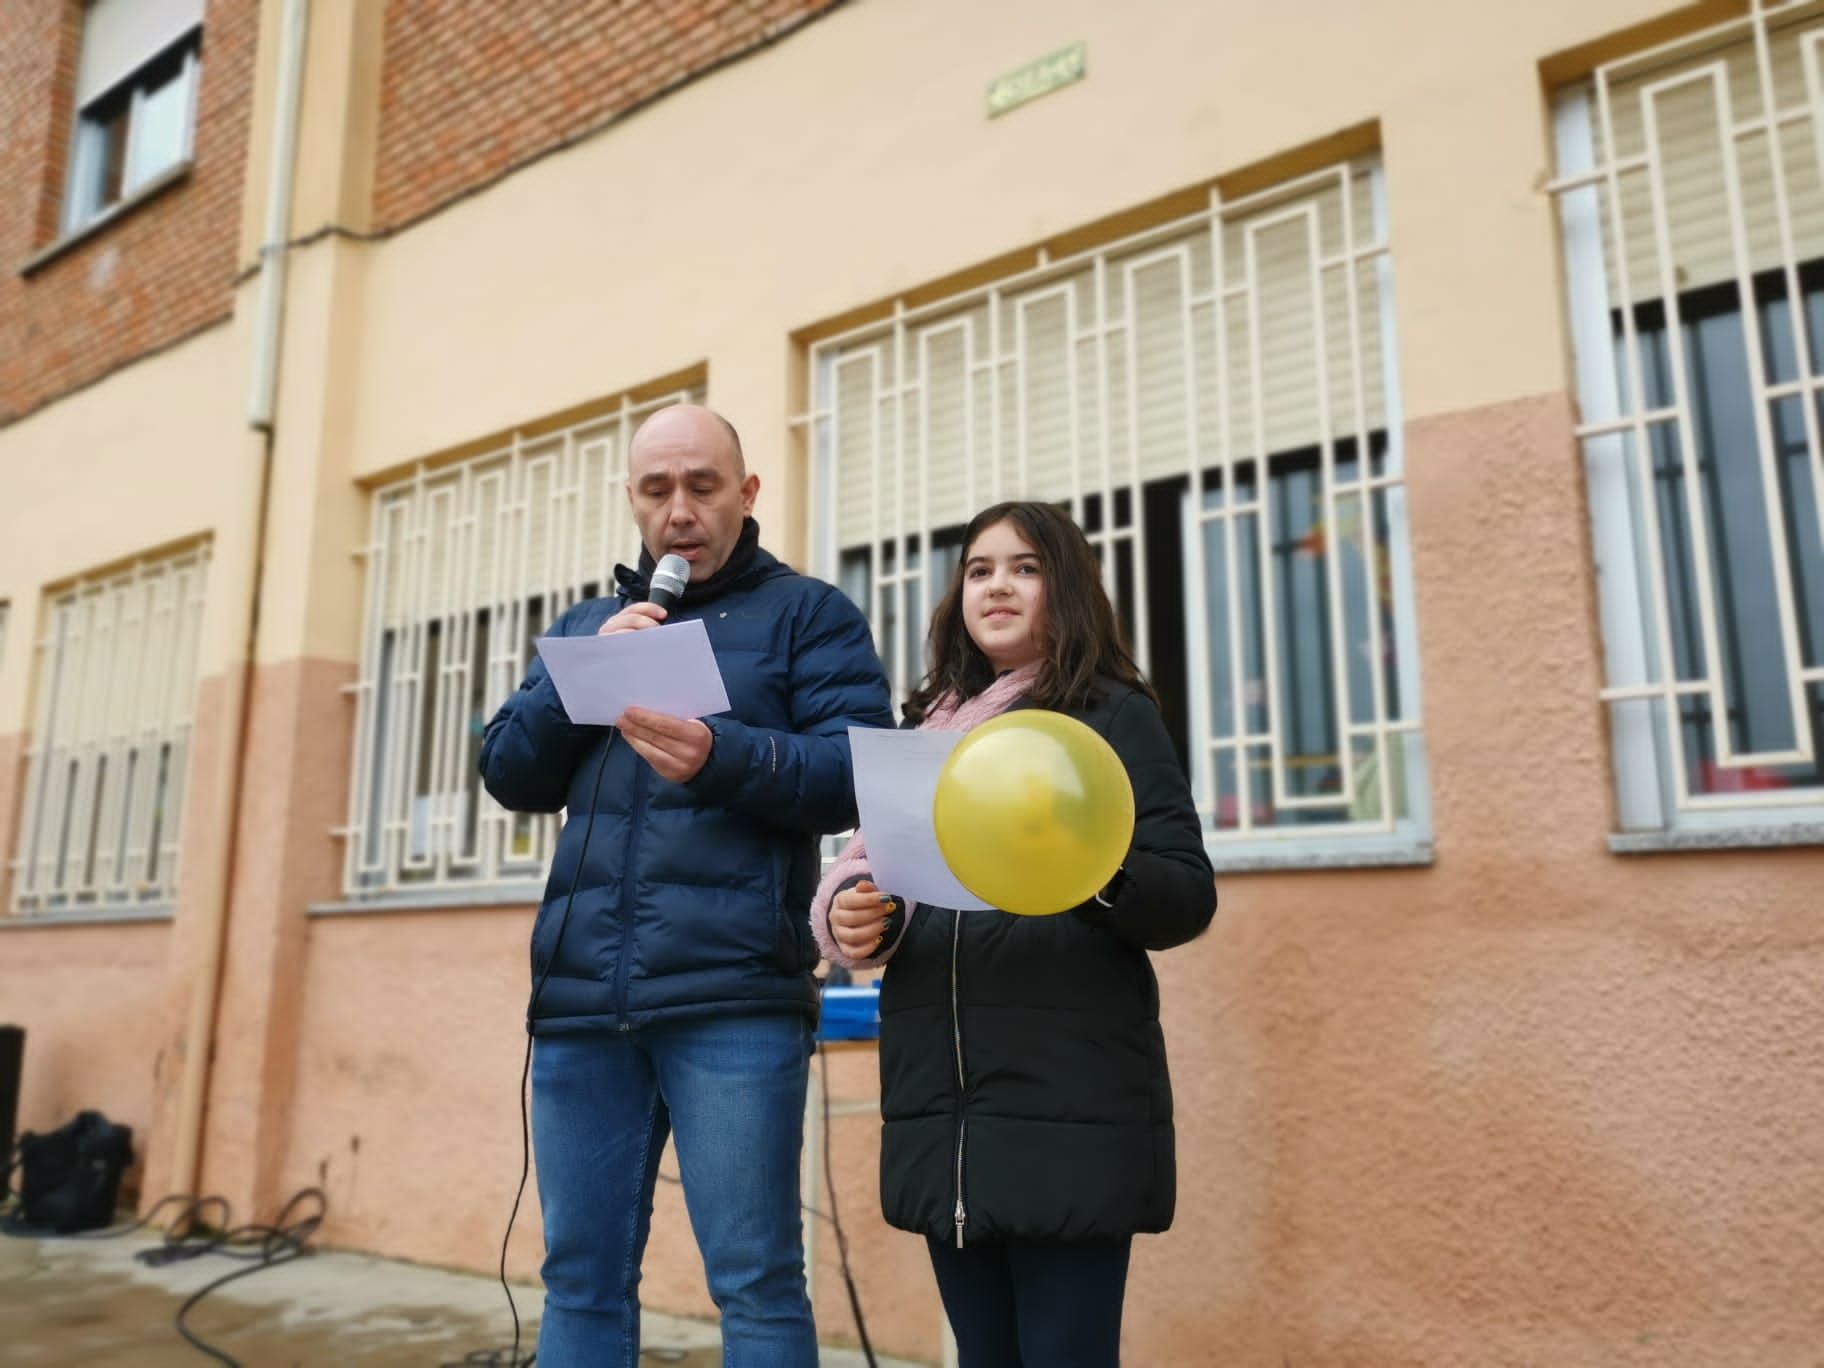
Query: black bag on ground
69,1178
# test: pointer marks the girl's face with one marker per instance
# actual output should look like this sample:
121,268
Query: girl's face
1004,597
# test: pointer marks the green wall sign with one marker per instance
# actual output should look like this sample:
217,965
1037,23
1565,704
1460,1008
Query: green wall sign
1037,78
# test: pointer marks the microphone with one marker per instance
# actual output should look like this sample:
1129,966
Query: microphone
669,579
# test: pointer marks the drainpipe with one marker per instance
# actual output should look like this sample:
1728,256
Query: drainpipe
270,317
224,808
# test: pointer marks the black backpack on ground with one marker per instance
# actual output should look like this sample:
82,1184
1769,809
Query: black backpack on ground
69,1178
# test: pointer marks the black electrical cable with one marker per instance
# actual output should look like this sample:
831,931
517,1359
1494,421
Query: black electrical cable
187,1237
842,1240
831,1216
490,1358
279,1243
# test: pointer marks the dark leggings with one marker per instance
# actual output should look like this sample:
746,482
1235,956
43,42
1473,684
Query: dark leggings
1034,1305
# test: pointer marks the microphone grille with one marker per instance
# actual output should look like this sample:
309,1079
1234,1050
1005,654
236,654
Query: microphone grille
672,573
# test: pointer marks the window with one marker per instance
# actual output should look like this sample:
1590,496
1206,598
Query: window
110,746
1215,402
467,566
1693,218
135,100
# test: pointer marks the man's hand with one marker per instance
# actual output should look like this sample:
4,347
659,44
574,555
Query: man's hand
633,618
858,919
676,747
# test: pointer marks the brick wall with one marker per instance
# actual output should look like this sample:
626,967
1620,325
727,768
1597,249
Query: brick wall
156,274
471,90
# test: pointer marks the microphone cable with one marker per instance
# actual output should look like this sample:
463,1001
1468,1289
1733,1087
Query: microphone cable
842,1240
490,1357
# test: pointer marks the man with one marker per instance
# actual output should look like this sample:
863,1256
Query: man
671,958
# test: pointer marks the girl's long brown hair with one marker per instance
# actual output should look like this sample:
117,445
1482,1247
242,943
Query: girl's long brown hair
1081,644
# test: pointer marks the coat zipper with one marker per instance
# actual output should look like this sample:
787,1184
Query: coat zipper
956,1033
627,882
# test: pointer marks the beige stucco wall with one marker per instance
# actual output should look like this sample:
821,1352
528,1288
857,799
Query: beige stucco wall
1482,1112
91,1000
104,1004
1536,1103
154,454
855,162
405,1110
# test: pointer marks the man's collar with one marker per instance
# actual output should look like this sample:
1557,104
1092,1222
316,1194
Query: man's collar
637,584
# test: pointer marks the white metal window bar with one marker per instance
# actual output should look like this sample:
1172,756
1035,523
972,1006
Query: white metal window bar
1215,401
466,565
1691,195
109,753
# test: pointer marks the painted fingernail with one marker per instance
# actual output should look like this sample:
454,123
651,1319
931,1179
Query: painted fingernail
886,899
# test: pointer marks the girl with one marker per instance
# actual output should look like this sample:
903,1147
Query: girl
1027,1112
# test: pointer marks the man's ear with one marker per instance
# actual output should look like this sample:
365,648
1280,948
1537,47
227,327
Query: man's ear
750,490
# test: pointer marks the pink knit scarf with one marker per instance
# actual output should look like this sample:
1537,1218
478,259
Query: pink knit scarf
947,714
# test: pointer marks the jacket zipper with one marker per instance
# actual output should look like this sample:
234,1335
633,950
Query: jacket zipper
956,1032
627,881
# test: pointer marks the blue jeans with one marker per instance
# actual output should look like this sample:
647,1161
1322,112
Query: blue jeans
732,1089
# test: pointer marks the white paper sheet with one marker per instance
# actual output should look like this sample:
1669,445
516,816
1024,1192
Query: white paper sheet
669,669
895,781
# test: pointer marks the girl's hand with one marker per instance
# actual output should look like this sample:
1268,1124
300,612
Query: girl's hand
858,920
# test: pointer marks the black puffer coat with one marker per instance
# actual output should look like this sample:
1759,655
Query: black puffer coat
691,897
1023,1077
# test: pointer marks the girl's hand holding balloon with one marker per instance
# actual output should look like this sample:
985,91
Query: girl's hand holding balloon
858,919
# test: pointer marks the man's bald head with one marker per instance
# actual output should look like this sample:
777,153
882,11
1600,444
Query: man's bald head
692,423
688,484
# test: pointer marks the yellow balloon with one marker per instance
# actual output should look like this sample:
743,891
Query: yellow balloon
1034,812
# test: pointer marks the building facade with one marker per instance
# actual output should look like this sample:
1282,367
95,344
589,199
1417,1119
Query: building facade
1429,378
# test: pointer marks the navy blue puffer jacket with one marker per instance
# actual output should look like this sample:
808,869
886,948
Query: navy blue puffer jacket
693,898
